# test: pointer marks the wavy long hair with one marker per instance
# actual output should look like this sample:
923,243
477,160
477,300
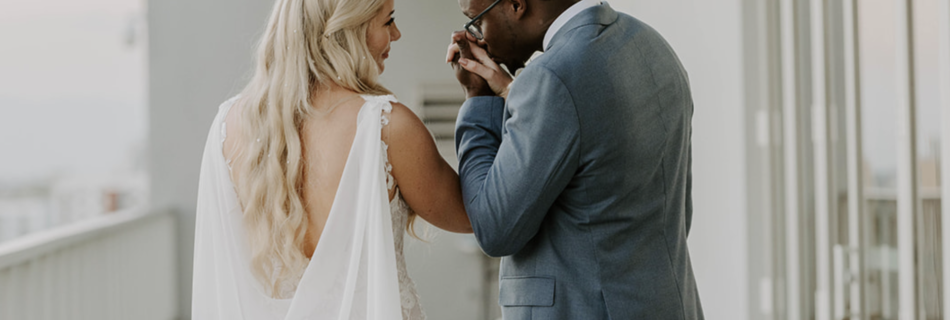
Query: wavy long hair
307,43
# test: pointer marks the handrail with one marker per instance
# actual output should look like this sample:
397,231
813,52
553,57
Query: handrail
21,249
115,266
890,194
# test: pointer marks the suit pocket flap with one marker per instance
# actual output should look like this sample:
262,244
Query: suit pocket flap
526,291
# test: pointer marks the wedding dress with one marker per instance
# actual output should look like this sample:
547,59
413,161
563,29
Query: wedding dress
357,271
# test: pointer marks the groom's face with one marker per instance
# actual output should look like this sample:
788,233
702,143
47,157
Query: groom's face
501,41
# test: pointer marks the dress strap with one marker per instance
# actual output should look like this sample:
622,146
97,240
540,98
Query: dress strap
384,103
223,110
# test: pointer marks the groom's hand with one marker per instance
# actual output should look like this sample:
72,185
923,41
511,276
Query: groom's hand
461,50
479,62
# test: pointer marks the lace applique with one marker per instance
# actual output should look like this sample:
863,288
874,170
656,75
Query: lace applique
384,121
224,131
390,181
288,286
408,297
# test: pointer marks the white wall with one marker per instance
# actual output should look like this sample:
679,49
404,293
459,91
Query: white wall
199,52
707,36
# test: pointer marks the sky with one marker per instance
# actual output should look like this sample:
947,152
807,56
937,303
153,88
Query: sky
73,84
877,27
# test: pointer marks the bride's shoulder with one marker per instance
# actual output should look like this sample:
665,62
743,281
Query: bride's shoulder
227,104
225,110
403,118
404,126
392,110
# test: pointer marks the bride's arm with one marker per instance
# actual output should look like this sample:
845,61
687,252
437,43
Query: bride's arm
428,184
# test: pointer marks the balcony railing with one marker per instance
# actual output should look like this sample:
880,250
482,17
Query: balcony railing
881,255
115,266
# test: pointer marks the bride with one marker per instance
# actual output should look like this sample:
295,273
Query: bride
313,174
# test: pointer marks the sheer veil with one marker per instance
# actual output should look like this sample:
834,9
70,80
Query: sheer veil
352,274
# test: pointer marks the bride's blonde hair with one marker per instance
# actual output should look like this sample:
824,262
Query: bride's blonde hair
307,43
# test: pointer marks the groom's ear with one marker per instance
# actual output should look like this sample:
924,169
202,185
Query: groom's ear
518,7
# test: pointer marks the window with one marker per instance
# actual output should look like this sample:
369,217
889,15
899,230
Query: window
855,116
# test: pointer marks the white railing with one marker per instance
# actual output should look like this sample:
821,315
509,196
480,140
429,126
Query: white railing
117,266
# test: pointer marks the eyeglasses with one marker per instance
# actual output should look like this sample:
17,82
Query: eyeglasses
474,29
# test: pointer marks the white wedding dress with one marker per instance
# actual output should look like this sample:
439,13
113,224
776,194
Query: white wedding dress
357,271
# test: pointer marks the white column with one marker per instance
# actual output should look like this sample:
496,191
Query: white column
790,128
820,129
852,82
944,18
906,162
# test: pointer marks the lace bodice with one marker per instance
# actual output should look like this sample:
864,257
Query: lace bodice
411,308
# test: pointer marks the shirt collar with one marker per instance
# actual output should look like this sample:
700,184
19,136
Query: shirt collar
565,17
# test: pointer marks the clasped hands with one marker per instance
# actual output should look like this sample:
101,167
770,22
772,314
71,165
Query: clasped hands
478,74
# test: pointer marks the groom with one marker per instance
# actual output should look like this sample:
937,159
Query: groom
580,177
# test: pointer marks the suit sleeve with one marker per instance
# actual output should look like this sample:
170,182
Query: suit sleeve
689,191
513,170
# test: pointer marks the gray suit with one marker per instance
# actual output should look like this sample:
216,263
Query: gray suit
581,179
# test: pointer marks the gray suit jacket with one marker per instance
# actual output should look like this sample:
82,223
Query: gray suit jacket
581,179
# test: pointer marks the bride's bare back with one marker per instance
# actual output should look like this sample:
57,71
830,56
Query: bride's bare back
326,136
428,184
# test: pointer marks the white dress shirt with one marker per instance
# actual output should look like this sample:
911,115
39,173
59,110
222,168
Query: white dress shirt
565,17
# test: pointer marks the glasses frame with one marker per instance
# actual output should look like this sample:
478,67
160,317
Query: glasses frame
471,23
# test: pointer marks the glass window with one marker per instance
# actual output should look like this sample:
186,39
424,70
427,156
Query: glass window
927,95
878,69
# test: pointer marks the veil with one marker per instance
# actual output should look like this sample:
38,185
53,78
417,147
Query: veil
352,274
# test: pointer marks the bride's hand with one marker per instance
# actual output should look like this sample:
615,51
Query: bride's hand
473,84
476,60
